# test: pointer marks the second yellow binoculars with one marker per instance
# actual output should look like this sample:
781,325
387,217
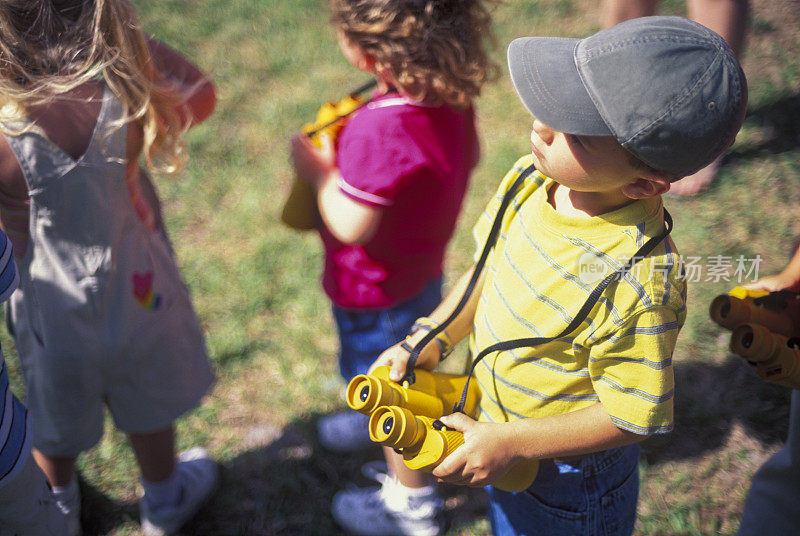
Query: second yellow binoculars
300,209
771,353
424,442
732,310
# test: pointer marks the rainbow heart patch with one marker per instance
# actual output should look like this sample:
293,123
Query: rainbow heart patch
143,291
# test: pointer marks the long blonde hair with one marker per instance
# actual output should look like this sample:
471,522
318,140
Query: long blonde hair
49,47
434,49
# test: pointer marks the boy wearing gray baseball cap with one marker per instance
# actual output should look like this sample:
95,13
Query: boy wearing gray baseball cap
618,116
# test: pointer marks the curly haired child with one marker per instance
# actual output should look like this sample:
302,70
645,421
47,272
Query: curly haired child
389,196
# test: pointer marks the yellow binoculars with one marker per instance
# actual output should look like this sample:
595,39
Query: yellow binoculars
300,209
404,417
776,359
424,442
738,307
433,394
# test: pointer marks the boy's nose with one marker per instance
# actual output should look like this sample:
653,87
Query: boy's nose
544,132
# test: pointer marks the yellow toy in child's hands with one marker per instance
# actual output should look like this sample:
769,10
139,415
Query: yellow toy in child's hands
764,330
425,442
432,394
742,306
777,358
300,209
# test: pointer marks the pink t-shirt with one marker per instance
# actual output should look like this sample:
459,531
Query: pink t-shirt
413,161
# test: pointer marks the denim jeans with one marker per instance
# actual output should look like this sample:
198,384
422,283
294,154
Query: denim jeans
595,495
771,505
363,335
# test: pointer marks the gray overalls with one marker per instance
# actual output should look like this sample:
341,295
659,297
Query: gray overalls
102,314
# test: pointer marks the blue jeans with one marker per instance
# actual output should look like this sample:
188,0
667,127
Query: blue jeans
364,335
595,495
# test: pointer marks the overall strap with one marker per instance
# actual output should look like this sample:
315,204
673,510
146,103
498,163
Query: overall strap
38,157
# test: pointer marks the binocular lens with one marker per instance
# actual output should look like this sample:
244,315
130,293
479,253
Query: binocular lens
725,310
388,424
747,340
363,395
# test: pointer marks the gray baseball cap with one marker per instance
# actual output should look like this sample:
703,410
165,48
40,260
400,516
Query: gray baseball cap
668,89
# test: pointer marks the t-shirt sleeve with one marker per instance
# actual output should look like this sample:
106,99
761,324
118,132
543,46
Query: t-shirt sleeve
375,156
632,373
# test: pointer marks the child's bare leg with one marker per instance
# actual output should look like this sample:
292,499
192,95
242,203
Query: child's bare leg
729,19
407,477
616,11
155,453
175,487
59,471
726,17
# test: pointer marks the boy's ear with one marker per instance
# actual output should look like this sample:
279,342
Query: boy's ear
649,184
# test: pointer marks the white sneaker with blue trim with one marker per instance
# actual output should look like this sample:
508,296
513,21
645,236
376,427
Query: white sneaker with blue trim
389,510
198,476
347,431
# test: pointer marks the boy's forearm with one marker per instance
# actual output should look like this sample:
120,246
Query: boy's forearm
570,434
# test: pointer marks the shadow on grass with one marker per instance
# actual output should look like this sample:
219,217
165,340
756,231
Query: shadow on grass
709,399
286,485
100,514
780,120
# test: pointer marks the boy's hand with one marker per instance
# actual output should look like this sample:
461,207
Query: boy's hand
485,457
313,164
396,357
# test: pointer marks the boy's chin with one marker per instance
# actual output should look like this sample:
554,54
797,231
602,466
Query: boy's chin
542,168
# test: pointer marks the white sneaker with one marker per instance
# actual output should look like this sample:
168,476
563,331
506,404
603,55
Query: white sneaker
347,431
68,500
198,476
389,510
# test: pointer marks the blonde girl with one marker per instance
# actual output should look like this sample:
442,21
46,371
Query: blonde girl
102,316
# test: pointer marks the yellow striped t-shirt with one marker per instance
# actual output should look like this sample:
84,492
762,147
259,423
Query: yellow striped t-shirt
538,276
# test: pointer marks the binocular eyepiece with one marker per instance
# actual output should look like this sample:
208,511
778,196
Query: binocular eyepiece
431,395
731,311
753,342
366,393
776,357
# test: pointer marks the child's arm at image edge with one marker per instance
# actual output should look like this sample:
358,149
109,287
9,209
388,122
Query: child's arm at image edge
201,96
788,278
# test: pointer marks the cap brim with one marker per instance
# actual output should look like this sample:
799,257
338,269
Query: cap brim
545,75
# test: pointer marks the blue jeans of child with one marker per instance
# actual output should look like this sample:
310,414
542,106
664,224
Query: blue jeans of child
363,335
593,495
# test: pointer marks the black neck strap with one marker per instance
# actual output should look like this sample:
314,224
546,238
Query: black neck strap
356,92
502,346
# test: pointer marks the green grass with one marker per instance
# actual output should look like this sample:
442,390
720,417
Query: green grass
269,331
